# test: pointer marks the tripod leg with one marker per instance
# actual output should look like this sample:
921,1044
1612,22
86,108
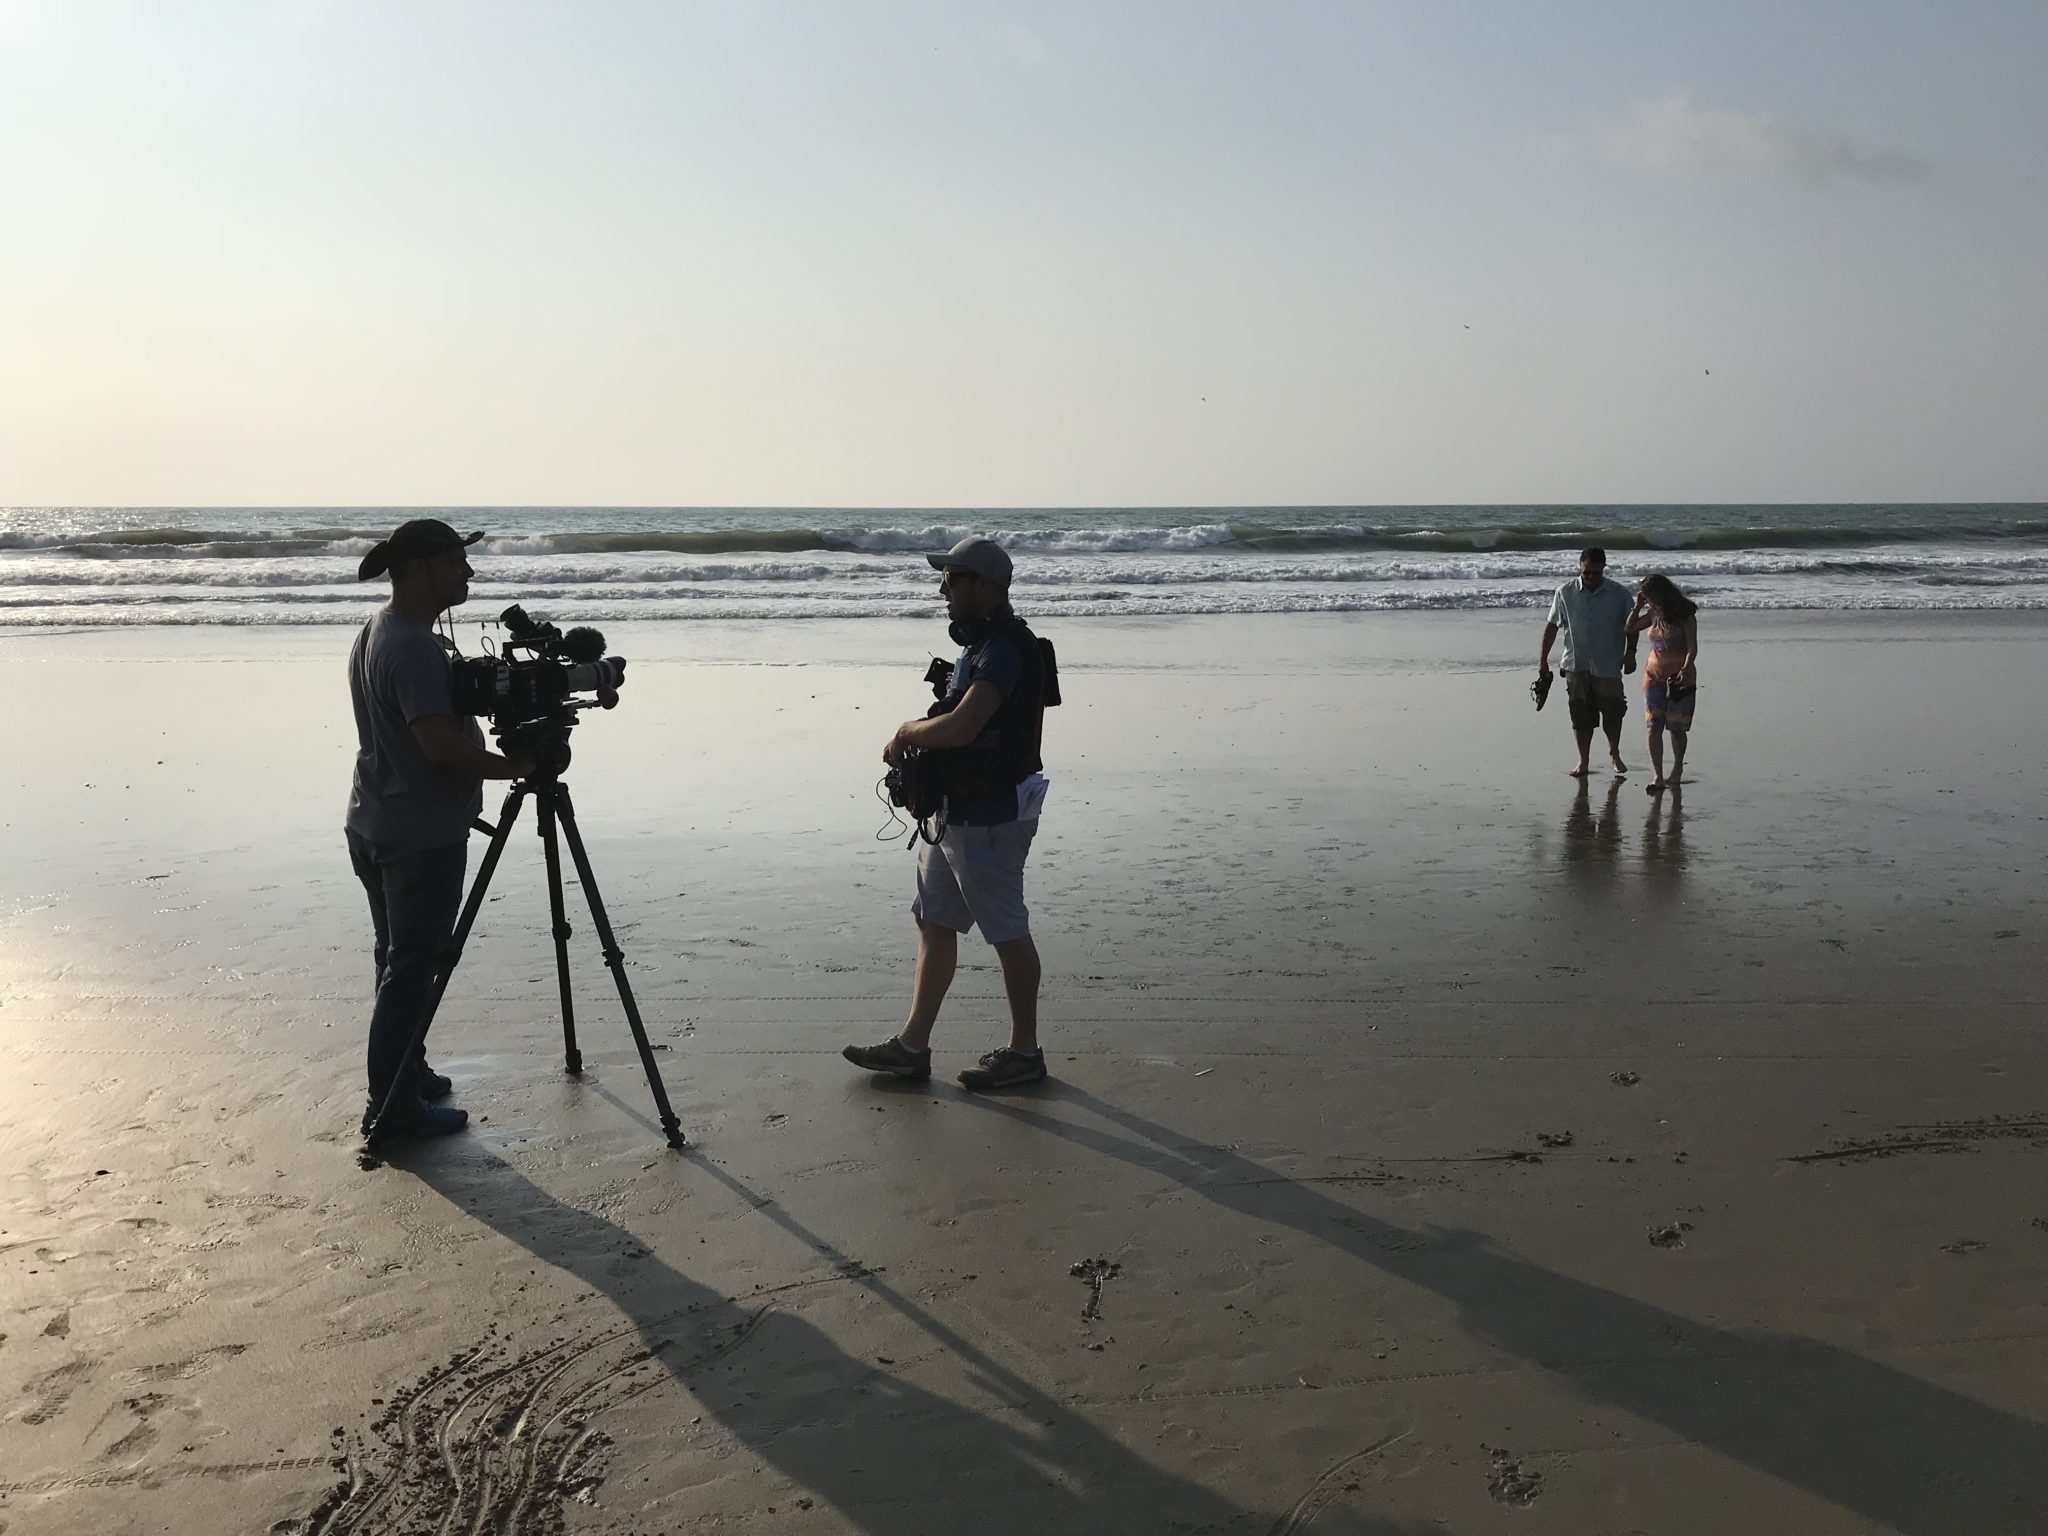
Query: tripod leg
544,803
453,954
615,958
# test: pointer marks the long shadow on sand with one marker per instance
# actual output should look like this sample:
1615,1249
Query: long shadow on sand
1908,1455
887,1455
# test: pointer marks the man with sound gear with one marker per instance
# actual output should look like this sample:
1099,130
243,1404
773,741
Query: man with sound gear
987,732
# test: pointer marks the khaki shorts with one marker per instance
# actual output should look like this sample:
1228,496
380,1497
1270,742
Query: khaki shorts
1594,701
974,877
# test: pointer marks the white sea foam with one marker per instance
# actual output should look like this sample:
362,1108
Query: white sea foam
1991,565
87,566
128,606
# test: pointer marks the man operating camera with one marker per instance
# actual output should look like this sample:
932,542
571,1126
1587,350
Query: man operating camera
418,785
985,736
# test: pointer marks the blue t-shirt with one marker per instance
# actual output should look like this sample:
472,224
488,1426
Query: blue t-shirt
998,662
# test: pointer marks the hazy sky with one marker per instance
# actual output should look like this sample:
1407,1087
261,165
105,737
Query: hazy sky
877,252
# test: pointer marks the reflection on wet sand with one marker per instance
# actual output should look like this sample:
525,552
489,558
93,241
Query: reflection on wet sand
1592,844
1663,851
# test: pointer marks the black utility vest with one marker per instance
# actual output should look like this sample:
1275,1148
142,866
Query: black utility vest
1006,753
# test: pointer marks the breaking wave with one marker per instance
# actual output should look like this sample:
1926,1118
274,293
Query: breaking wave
276,566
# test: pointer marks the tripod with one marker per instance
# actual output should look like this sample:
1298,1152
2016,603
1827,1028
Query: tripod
551,801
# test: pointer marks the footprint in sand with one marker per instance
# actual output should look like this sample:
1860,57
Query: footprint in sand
52,1390
144,1434
192,1365
1509,1481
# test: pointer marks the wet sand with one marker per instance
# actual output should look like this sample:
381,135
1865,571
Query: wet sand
1442,1145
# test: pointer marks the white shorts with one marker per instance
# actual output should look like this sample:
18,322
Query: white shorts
974,877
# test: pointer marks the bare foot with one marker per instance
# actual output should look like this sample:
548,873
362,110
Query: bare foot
1579,772
1654,787
1620,768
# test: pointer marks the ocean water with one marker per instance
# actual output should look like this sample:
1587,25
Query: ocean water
70,566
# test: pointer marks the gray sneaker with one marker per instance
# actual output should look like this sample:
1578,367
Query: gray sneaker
1005,1068
893,1057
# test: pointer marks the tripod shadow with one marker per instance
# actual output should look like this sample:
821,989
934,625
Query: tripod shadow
886,1454
1903,1453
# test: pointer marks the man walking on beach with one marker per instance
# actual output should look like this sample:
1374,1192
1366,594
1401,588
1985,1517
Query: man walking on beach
988,729
418,785
1593,613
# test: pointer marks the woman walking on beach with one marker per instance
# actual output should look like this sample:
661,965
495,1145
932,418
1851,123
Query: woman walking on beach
1669,681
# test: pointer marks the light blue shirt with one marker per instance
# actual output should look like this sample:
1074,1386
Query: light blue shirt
1594,625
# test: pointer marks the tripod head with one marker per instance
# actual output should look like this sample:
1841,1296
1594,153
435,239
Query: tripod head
545,740
545,736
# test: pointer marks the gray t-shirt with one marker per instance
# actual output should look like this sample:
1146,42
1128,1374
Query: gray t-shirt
398,673
1595,626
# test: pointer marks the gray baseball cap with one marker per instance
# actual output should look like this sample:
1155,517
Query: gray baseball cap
977,556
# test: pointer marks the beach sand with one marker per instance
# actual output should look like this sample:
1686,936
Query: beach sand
1441,1146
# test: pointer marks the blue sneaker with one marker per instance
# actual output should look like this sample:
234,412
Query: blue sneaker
431,1084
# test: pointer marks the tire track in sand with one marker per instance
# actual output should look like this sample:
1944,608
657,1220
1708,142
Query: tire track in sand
497,1443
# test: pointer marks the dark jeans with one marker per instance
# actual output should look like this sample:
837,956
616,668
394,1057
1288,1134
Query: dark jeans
415,897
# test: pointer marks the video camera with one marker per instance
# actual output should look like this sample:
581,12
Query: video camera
529,699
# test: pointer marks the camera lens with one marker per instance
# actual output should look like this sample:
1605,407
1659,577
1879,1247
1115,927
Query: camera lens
597,676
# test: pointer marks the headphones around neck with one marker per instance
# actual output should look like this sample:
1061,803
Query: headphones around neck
971,632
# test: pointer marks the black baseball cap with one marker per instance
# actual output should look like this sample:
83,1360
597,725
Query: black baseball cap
415,540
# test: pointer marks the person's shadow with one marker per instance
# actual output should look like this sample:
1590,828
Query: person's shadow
887,1455
1903,1453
